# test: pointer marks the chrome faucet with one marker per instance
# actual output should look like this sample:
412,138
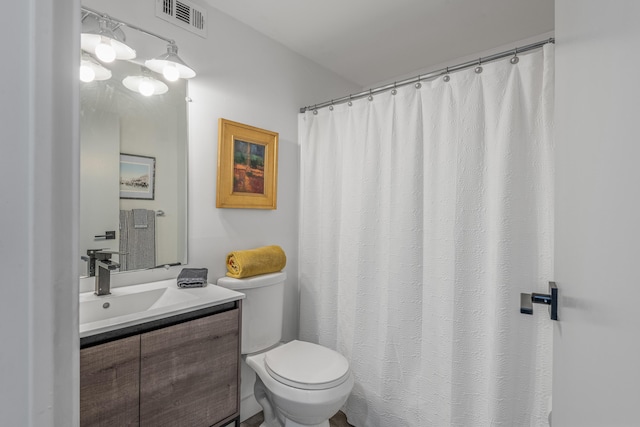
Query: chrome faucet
104,267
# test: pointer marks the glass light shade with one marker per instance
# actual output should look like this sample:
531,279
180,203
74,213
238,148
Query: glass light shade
87,74
104,51
89,66
94,41
145,85
171,73
169,61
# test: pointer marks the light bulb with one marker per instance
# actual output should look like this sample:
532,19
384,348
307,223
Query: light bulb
170,72
146,88
86,73
105,52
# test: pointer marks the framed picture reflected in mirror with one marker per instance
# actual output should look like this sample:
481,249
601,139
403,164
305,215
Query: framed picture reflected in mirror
137,177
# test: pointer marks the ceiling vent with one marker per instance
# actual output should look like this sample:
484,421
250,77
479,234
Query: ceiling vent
184,14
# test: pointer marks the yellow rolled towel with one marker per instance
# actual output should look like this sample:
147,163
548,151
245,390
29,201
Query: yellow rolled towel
252,262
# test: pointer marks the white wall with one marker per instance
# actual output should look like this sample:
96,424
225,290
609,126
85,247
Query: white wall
245,77
38,209
596,344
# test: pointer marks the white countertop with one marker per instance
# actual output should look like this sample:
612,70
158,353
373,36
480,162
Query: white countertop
176,301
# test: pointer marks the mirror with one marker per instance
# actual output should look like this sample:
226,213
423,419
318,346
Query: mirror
133,171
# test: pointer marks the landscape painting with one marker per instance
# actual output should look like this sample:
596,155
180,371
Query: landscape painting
248,167
137,175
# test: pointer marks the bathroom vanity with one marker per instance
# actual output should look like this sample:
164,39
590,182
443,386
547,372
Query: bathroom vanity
174,363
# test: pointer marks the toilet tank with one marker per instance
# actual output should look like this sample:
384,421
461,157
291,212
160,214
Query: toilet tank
262,309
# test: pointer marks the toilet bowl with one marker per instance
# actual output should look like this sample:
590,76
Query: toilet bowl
305,384
297,383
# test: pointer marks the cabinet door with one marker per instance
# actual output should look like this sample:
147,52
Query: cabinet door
109,378
189,372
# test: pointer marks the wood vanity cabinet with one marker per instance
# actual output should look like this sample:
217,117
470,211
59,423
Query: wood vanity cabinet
109,383
189,372
184,373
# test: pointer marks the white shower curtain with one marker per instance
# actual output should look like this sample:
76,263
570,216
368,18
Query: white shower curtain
423,217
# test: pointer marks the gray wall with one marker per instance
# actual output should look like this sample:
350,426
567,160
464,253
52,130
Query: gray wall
596,343
39,205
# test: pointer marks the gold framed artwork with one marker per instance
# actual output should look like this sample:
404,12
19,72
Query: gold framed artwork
247,166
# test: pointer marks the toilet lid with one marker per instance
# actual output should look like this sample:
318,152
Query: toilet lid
307,366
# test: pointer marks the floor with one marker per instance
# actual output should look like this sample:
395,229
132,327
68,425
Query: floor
338,420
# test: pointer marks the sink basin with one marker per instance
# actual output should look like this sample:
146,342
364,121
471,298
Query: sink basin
122,304
129,306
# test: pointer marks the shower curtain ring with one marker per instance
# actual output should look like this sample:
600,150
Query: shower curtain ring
418,85
394,90
331,106
349,103
370,97
515,58
315,110
446,77
478,69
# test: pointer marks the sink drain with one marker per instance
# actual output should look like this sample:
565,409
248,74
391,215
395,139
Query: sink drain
106,305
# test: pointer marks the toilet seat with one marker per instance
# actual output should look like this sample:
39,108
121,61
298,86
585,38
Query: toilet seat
307,366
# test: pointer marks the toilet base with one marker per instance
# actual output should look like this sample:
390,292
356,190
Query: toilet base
289,423
272,416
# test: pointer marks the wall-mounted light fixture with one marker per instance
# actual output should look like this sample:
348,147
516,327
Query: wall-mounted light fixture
103,38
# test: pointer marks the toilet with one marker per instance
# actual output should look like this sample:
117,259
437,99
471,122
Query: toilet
297,383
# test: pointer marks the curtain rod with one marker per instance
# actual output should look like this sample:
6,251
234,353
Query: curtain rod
429,75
